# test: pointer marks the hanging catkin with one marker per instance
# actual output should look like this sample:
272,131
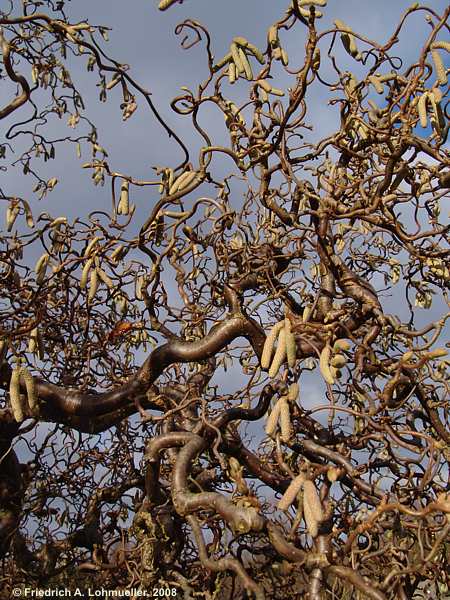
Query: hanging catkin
280,354
324,364
291,349
266,356
272,420
15,398
311,497
291,493
285,420
31,388
311,522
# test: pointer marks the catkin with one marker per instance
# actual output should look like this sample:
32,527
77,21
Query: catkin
182,181
41,268
311,522
338,361
291,348
15,397
245,64
91,246
165,4
285,421
31,388
105,278
241,41
232,74
333,474
311,498
265,85
272,421
123,208
266,356
348,40
293,392
223,61
306,314
291,493
85,273
439,66
324,364
436,353
280,354
138,287
441,45
422,109
340,345
32,341
237,58
93,285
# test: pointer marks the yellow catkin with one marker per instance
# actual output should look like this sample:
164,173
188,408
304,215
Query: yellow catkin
348,40
58,221
241,41
182,181
285,421
293,392
324,364
306,314
123,208
436,353
422,109
291,493
91,246
32,341
280,354
340,345
272,36
31,388
265,85
41,268
138,287
311,498
333,474
338,361
223,61
311,522
246,64
93,287
272,421
85,273
441,46
234,48
105,278
15,398
439,66
165,4
291,348
266,356
232,74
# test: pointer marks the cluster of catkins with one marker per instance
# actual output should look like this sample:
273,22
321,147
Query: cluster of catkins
18,401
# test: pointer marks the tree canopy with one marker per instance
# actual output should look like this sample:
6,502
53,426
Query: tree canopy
227,377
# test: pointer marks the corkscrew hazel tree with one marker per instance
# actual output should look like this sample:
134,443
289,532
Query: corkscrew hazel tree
125,459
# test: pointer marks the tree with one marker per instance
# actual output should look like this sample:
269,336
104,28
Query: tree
278,259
